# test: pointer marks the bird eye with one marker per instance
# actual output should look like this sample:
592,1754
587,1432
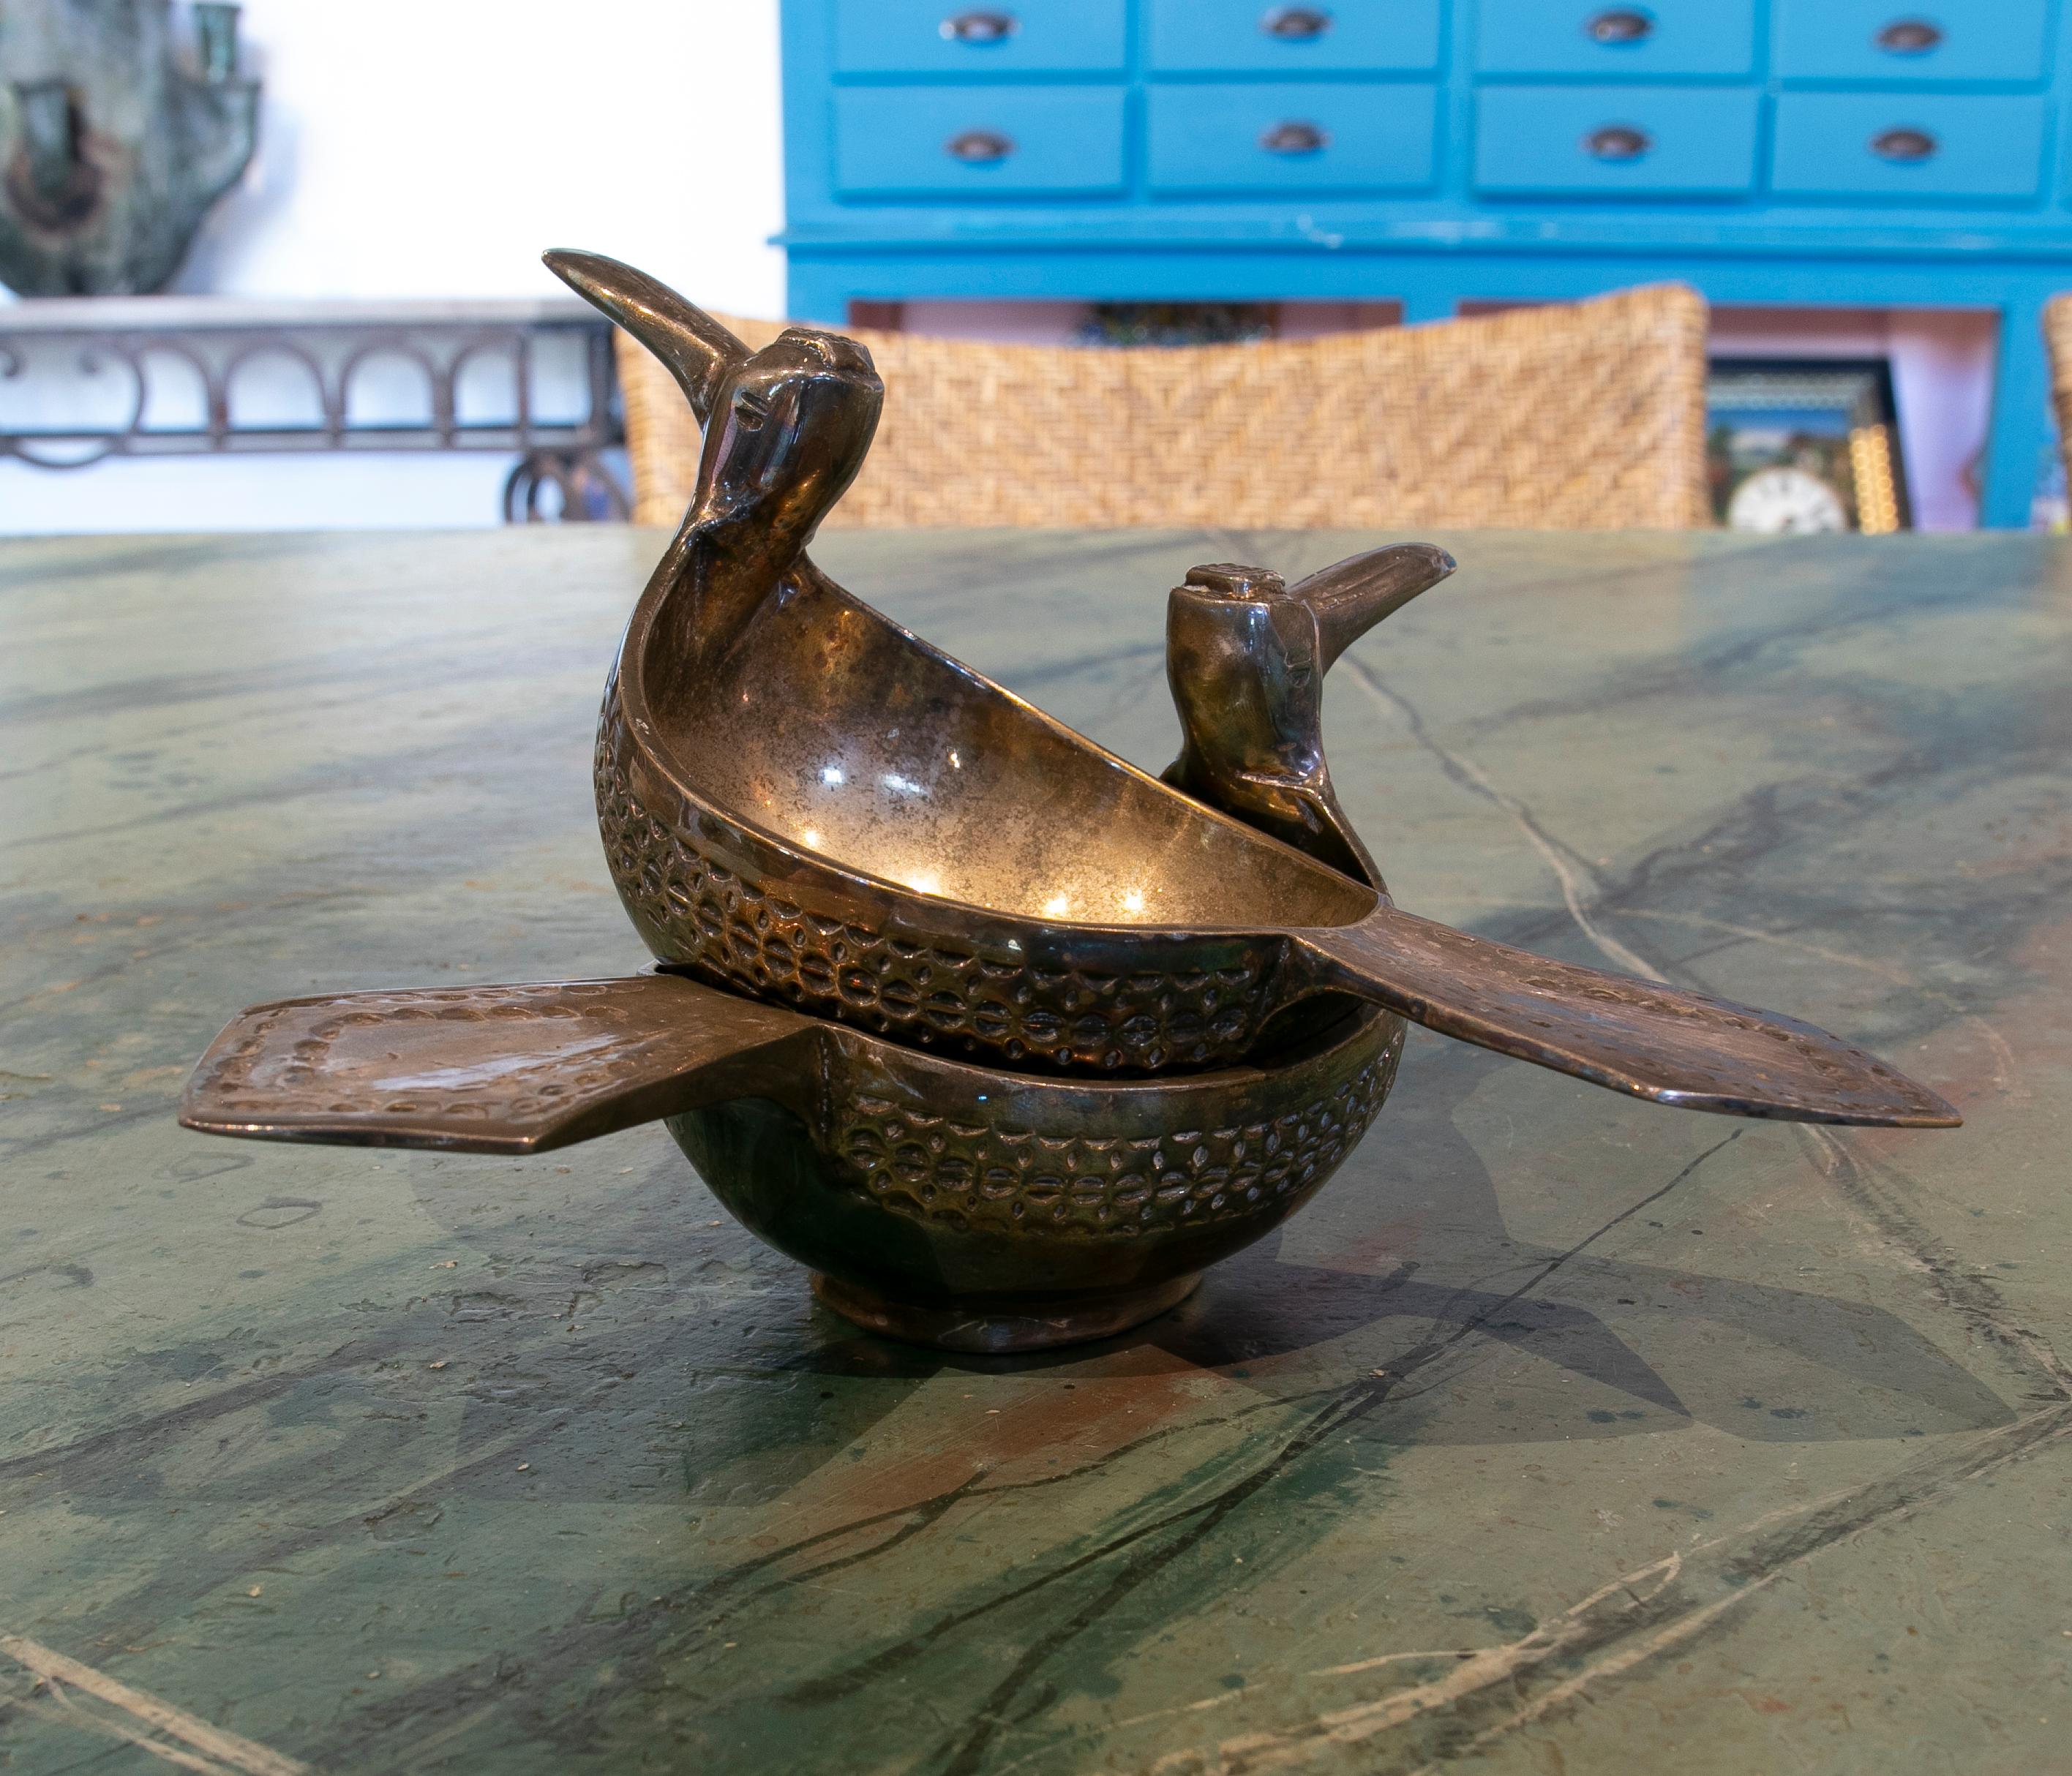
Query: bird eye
750,412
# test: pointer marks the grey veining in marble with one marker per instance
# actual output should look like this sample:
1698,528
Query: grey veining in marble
1558,1435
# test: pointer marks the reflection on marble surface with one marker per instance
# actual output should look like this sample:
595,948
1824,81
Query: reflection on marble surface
1558,1433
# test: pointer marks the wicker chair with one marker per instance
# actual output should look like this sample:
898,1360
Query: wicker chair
2057,340
1588,416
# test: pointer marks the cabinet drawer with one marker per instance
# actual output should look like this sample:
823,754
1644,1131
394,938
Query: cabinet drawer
1895,44
1616,141
969,42
1907,147
1613,39
1266,37
976,143
1310,136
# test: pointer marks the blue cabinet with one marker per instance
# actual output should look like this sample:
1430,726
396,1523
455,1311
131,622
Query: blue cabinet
1858,153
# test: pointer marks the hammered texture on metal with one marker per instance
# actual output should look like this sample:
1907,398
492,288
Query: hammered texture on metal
465,1065
1003,1179
698,914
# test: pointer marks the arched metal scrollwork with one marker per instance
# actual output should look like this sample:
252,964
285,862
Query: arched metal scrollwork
325,357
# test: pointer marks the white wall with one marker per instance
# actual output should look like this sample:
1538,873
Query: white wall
433,148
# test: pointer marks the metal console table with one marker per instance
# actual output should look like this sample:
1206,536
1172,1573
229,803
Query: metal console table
187,368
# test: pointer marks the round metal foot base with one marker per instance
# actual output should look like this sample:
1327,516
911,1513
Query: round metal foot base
1033,1324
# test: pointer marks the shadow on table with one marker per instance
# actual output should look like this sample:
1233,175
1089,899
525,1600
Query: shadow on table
643,1346
1489,1340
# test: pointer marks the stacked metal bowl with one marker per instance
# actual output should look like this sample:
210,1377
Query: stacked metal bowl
1003,1038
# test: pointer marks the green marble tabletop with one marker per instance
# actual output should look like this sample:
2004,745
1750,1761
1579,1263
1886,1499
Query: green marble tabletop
1561,1434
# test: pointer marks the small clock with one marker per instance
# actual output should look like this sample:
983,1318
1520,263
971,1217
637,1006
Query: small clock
1797,446
1786,501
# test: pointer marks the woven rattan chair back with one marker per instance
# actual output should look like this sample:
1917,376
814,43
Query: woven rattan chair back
1579,416
2058,338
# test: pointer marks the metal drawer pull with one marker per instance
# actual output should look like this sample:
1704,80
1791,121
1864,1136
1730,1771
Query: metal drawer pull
1909,37
1621,25
1294,138
1907,145
1617,141
1295,24
979,147
980,27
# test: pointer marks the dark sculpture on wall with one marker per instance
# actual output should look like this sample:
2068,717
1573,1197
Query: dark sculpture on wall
113,145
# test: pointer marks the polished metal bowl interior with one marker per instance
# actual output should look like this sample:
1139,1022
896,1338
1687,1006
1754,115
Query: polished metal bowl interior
801,800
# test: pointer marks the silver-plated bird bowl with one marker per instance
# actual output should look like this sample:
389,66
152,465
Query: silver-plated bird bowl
1005,1039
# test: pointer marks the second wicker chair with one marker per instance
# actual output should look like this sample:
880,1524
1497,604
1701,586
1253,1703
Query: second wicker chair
1586,415
2057,339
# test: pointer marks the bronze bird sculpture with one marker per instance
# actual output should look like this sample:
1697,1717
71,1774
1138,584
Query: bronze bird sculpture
1004,1037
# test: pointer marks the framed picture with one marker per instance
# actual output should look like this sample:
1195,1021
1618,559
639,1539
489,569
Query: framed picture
1798,445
